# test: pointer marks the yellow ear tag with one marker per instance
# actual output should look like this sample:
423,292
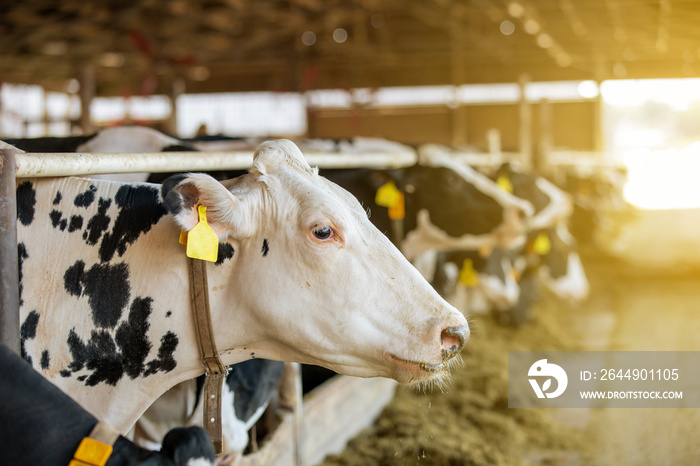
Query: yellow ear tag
388,195
504,183
468,276
92,452
202,242
183,237
542,244
398,210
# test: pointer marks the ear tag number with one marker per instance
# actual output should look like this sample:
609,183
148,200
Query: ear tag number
504,183
468,276
542,244
202,242
389,196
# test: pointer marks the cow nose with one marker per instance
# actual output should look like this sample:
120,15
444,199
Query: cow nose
452,340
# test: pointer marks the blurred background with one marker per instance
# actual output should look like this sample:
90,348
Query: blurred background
600,97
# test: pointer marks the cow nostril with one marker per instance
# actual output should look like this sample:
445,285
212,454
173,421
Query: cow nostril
453,339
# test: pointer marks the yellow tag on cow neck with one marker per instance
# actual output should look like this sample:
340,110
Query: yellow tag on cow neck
468,276
92,452
202,242
542,244
504,183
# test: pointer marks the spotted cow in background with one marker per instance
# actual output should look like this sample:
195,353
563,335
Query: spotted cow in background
104,290
42,426
550,253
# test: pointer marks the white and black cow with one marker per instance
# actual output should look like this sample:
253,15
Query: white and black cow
550,249
42,426
180,405
302,275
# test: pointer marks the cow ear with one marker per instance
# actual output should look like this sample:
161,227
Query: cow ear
228,215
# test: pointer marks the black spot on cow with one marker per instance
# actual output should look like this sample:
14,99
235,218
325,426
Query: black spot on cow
99,355
168,314
265,247
76,223
109,359
72,279
27,331
107,287
86,198
55,217
45,359
172,198
131,337
21,256
139,210
26,203
57,199
165,361
98,223
225,252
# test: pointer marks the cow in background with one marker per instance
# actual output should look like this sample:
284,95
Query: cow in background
550,252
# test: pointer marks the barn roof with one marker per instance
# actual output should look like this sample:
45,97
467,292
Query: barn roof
238,45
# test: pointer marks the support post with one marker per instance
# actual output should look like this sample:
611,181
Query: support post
87,93
177,88
458,112
525,124
545,146
9,274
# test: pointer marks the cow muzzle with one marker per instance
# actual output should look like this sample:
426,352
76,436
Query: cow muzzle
452,341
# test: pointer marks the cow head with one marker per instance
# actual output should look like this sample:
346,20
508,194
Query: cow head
316,281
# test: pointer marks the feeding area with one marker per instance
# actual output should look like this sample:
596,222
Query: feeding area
328,233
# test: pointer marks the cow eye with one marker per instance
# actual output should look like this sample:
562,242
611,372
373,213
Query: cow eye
322,232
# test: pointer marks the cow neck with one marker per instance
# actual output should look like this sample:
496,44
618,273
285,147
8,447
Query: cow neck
215,369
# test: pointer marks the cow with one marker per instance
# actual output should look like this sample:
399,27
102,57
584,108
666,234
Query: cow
167,413
550,249
42,426
481,281
301,275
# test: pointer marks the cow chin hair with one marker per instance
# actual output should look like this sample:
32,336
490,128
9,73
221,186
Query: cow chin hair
442,380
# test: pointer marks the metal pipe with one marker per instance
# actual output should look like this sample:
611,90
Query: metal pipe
69,164
9,274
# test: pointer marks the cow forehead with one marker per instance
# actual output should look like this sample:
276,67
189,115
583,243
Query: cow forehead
314,193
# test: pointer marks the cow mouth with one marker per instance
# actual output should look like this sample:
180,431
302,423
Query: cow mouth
412,365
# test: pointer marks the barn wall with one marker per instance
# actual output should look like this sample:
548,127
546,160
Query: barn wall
407,125
573,124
